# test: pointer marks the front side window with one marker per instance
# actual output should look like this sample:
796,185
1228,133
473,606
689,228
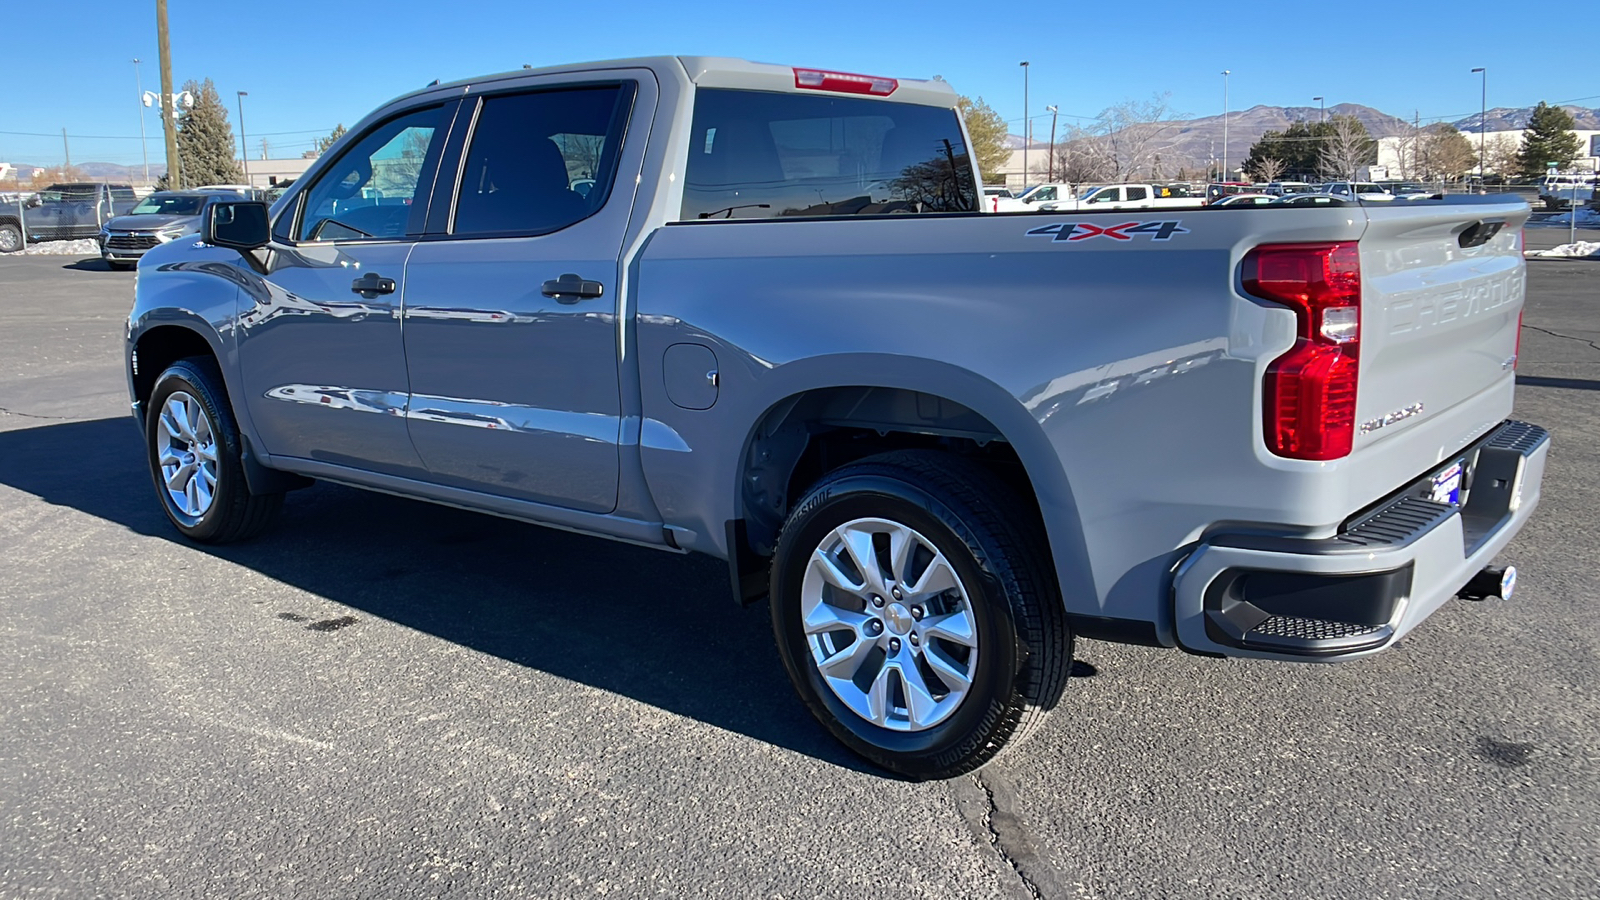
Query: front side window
542,161
755,155
372,189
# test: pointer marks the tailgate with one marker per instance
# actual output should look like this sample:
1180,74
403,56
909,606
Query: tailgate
1439,318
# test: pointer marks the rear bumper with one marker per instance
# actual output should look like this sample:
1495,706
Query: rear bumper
1387,570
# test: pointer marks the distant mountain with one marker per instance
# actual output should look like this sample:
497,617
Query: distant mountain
1502,119
1197,140
102,171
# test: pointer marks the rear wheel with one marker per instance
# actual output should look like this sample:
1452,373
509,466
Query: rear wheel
10,237
196,457
912,607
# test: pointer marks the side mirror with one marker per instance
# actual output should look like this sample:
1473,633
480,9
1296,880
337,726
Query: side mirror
240,224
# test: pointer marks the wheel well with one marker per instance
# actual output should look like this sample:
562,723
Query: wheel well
809,435
159,348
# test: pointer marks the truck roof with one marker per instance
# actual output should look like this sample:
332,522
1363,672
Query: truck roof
725,72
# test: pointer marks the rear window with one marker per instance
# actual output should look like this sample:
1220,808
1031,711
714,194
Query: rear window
755,155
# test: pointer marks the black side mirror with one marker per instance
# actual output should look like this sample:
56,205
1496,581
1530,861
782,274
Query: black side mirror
240,224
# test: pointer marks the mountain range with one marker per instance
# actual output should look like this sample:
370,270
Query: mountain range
1201,139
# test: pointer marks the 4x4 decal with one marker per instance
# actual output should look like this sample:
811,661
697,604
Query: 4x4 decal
1082,231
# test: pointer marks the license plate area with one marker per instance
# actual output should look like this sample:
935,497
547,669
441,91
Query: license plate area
1446,484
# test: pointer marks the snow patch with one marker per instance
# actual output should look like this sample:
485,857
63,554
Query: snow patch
1587,218
85,247
1580,250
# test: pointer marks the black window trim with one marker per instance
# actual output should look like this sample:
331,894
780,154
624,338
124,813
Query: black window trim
296,208
624,111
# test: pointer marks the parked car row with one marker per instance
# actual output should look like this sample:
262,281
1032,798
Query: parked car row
161,217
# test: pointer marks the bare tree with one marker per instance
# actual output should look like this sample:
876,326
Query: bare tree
1502,155
1347,147
1408,144
1131,134
1268,168
1450,155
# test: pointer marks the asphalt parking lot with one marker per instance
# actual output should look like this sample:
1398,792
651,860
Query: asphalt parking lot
383,698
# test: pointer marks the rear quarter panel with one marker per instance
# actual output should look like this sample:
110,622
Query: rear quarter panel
1123,370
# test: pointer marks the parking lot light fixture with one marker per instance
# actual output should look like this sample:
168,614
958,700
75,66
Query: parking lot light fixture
1025,135
1224,173
1483,118
1052,142
244,146
1322,109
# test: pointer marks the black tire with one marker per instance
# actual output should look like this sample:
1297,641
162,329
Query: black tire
10,237
996,547
119,266
234,513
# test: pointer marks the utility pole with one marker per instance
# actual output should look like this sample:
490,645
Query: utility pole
169,111
1322,109
144,147
65,149
1025,136
244,146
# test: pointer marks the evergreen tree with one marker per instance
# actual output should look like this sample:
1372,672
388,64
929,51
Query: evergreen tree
1548,140
988,133
323,143
205,139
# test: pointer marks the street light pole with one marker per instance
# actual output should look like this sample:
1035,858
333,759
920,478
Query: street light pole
144,146
1052,142
1025,135
244,146
1322,109
1483,118
1225,74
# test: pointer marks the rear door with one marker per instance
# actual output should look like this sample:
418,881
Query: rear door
511,308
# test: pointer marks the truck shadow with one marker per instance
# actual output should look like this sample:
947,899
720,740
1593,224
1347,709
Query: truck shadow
656,627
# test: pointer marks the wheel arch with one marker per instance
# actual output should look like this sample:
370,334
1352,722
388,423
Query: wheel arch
906,403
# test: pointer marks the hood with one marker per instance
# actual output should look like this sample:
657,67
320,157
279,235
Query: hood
153,222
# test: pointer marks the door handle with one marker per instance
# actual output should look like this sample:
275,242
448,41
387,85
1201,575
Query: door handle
570,288
372,284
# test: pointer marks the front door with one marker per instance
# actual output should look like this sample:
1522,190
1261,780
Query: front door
511,315
319,338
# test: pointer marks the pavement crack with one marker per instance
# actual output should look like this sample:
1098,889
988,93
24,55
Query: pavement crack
1002,827
12,412
1558,334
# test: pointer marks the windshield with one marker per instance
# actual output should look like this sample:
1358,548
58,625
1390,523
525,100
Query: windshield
1087,191
169,205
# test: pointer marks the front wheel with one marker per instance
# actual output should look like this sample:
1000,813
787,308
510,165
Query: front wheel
196,457
914,611
10,237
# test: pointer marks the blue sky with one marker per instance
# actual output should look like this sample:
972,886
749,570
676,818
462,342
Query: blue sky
308,66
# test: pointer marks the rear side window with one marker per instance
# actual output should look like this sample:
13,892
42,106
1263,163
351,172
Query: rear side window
542,161
756,155
1137,193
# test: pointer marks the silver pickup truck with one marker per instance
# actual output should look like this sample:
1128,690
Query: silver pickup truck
756,312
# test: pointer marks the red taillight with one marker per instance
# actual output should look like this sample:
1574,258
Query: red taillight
1310,391
844,82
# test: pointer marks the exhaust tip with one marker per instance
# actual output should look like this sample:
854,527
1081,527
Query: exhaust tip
1490,582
